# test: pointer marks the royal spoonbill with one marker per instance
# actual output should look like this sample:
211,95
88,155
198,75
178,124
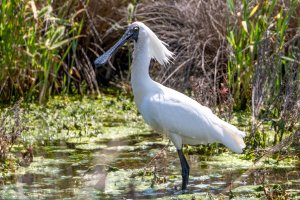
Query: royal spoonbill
167,111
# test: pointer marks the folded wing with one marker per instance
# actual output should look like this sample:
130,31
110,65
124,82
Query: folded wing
174,113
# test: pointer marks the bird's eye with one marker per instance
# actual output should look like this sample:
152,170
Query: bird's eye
136,28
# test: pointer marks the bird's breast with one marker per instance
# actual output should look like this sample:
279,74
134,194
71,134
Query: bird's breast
150,112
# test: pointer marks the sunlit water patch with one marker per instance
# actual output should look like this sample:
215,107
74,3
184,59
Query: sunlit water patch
117,169
85,153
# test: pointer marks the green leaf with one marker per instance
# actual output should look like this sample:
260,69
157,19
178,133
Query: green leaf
230,4
254,10
63,42
289,59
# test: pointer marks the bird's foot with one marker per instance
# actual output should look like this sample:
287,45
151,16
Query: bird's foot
179,190
185,191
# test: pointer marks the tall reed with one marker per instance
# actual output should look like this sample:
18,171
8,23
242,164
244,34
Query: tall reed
34,43
263,71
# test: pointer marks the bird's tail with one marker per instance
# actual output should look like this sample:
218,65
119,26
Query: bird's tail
232,137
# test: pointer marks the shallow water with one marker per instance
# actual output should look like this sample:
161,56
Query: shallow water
100,149
124,168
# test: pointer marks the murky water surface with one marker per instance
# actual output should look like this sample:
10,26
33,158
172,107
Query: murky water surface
115,157
124,168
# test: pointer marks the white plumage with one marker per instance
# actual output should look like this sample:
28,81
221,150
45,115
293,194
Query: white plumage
181,118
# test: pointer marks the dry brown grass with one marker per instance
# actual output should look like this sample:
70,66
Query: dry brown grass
105,23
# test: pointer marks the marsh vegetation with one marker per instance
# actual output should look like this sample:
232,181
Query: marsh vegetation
62,121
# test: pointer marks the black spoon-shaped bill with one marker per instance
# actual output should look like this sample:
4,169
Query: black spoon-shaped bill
131,33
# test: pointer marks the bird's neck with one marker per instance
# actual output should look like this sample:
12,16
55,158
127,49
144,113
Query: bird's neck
140,78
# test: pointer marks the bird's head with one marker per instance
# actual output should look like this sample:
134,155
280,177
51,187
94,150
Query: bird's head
137,32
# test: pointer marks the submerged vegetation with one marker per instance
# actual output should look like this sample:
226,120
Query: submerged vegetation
240,58
91,143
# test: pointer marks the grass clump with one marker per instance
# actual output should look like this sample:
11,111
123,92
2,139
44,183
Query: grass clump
12,125
263,70
34,44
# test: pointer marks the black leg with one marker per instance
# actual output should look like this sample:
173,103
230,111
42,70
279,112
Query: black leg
185,169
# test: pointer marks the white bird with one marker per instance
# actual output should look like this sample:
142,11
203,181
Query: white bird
167,111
